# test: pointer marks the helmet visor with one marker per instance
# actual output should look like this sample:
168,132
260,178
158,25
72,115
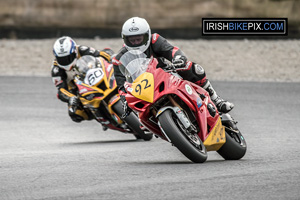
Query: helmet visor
66,60
136,40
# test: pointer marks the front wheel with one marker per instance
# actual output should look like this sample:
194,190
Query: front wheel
133,122
189,144
235,146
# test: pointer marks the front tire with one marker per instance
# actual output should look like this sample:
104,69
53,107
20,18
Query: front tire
133,122
171,126
235,146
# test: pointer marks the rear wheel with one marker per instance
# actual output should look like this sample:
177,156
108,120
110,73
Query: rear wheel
133,122
235,146
188,143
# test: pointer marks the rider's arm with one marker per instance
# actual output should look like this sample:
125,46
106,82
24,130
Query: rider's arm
59,78
164,49
120,78
105,53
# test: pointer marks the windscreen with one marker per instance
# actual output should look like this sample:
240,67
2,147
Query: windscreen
133,64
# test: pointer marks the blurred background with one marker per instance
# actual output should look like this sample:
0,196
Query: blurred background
104,18
29,28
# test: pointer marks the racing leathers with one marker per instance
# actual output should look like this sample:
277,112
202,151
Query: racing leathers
63,80
161,49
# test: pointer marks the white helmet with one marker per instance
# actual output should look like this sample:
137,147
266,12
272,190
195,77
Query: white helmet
136,34
65,52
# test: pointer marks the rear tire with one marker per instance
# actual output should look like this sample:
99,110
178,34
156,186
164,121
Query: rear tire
173,130
133,122
235,146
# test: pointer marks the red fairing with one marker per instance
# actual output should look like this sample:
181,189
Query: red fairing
115,62
166,83
83,89
108,67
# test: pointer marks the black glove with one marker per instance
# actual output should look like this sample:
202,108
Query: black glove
179,61
74,101
127,110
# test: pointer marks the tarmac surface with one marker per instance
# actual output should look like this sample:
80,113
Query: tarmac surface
44,155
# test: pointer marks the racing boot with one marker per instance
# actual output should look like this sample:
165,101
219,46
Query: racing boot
101,119
104,122
222,105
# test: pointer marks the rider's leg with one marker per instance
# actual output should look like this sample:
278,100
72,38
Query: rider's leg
222,105
78,114
196,74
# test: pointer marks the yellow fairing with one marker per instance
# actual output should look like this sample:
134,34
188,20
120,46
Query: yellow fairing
143,87
216,138
95,102
111,102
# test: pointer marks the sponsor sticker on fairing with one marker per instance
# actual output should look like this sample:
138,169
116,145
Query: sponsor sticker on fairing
199,102
188,89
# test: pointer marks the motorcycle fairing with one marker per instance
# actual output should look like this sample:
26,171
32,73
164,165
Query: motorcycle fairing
176,86
105,76
109,74
204,119
111,102
166,84
90,96
84,88
216,137
143,87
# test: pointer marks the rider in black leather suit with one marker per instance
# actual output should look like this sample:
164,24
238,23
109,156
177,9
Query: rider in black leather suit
136,34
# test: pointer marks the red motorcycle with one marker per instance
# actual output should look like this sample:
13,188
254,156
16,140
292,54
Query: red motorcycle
179,111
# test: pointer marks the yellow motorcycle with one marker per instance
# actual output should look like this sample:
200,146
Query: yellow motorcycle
98,93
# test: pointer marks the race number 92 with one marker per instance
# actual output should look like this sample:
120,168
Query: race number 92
144,85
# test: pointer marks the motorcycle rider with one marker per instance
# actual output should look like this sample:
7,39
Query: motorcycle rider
63,69
136,34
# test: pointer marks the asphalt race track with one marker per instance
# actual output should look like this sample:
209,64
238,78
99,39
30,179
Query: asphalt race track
44,155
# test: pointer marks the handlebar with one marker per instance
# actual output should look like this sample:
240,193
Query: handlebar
171,68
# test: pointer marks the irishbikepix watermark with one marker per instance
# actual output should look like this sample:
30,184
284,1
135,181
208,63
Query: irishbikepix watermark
244,26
